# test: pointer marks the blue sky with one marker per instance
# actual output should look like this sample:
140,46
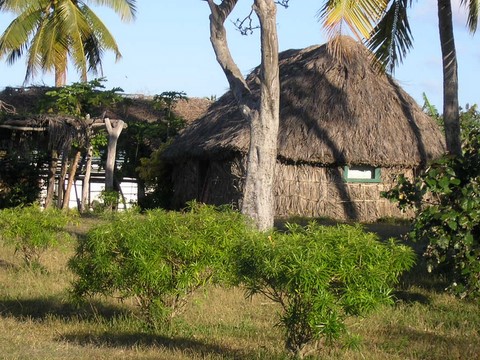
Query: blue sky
167,48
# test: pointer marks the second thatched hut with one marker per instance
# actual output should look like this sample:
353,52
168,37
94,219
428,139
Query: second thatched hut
346,132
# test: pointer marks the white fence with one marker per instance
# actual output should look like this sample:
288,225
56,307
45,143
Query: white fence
128,190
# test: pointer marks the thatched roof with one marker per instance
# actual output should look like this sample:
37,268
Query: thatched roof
332,111
135,107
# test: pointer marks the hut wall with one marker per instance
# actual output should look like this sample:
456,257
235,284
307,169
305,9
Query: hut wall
185,183
316,191
209,181
300,190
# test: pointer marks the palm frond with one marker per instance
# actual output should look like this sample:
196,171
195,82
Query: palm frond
104,38
392,38
126,9
76,30
94,53
51,31
473,7
14,55
20,6
36,52
55,44
359,15
18,32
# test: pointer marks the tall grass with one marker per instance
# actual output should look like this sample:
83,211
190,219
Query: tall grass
38,321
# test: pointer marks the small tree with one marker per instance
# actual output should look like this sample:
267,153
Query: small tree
82,101
153,170
319,275
159,259
446,198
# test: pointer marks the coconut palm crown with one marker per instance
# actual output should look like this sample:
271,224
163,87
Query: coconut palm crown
51,32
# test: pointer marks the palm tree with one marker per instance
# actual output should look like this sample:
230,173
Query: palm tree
391,39
51,32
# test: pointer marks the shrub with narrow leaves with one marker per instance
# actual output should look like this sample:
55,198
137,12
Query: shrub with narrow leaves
33,230
319,275
159,258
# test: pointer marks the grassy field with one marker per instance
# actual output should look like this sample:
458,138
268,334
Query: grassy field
37,321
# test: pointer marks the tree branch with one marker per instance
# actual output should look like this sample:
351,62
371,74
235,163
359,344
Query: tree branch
23,128
218,38
283,3
248,29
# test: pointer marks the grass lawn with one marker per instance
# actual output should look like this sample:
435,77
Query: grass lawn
37,321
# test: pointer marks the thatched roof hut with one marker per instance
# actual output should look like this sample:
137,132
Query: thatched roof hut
336,114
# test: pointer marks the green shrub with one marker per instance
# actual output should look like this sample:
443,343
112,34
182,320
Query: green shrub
319,275
33,230
109,201
446,199
159,258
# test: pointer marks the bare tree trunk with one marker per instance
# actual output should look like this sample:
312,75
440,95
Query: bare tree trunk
61,180
263,117
140,190
258,197
71,179
84,204
52,171
113,135
451,116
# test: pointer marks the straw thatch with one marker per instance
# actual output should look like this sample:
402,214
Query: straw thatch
23,106
334,112
26,101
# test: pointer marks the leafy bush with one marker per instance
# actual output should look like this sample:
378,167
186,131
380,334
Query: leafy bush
446,198
319,275
109,201
81,98
153,169
159,258
447,203
33,230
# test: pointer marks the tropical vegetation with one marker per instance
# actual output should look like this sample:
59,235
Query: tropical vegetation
446,202
391,47
318,275
51,33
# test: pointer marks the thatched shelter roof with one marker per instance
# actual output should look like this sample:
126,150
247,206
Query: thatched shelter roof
333,110
135,107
